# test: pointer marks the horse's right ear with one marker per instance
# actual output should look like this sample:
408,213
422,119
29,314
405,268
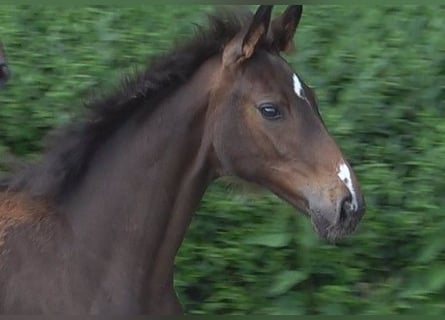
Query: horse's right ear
243,46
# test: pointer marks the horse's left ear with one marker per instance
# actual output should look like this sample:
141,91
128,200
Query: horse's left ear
257,30
284,26
243,46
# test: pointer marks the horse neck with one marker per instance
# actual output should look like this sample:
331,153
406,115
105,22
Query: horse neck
136,201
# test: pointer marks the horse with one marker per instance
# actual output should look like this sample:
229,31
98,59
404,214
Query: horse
4,70
93,227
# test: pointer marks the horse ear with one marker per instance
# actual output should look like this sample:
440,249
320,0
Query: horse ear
257,30
284,26
244,47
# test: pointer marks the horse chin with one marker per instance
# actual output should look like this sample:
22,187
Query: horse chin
327,227
334,231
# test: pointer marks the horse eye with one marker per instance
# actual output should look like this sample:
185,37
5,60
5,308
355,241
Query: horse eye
270,111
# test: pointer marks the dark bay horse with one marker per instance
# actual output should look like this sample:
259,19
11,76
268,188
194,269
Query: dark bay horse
94,226
4,71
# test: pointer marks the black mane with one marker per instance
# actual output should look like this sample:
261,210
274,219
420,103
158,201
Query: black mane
68,155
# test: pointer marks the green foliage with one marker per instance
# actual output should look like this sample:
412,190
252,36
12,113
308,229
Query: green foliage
379,73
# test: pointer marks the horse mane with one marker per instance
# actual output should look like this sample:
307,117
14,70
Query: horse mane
71,148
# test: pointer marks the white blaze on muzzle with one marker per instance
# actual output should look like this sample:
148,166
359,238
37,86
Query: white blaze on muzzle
344,174
299,89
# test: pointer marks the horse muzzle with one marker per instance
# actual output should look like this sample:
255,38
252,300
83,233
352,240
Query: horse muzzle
334,221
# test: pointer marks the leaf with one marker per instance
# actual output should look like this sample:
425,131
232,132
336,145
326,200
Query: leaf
431,251
277,240
436,281
431,282
284,281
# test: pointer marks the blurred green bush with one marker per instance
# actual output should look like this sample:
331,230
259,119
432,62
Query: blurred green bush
379,73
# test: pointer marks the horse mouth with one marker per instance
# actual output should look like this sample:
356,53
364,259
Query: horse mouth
341,227
328,228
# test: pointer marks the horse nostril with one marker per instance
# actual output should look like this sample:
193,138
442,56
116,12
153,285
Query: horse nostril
346,208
